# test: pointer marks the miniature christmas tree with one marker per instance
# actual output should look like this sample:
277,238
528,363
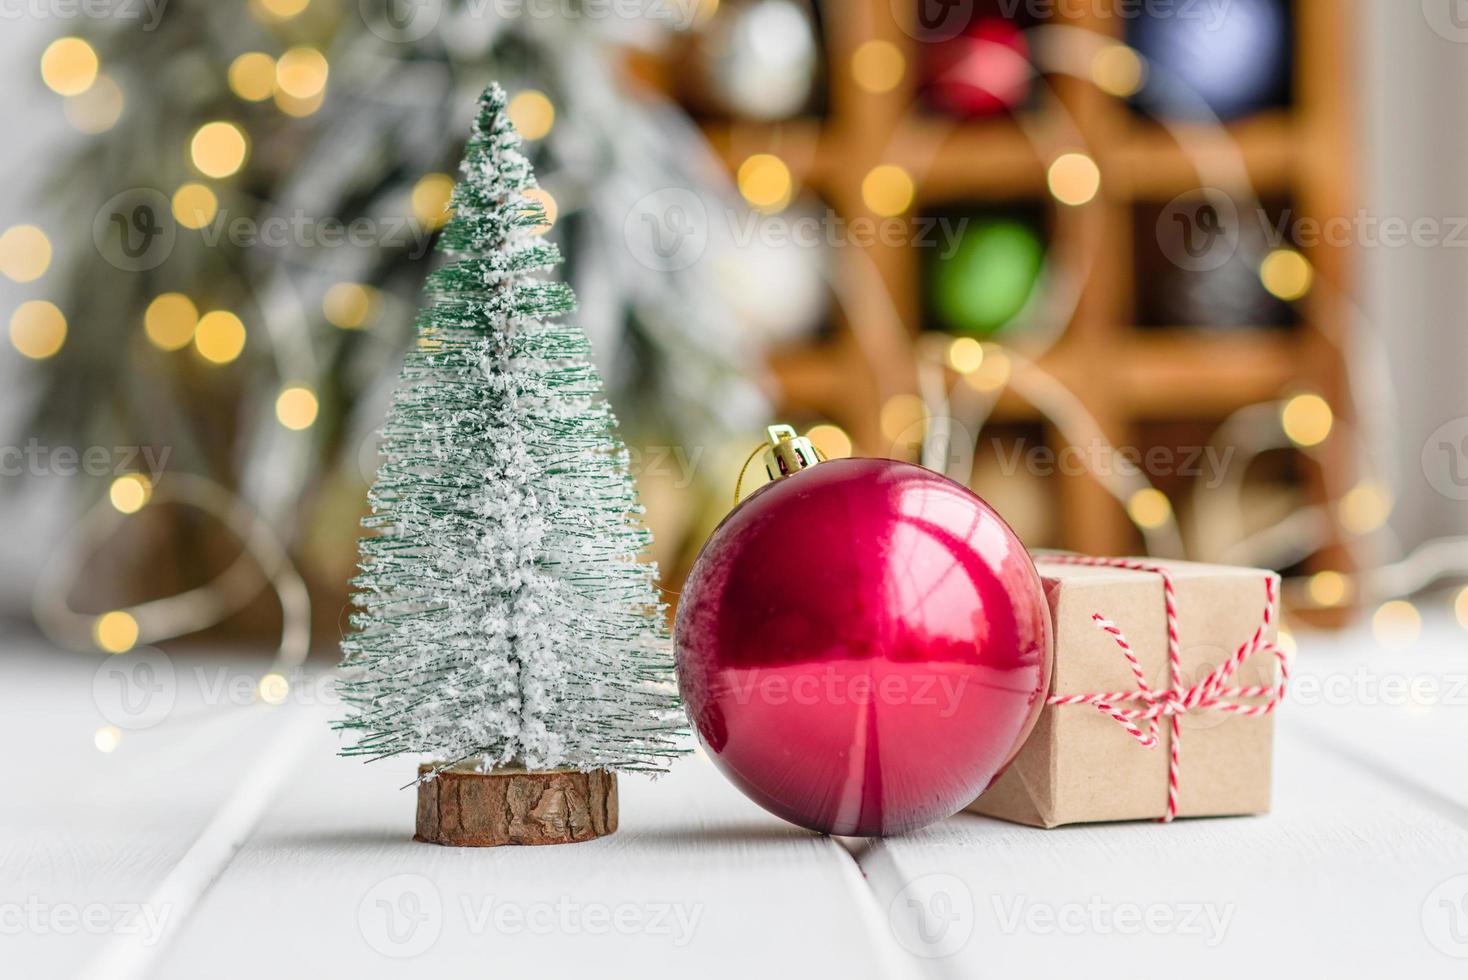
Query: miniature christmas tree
505,626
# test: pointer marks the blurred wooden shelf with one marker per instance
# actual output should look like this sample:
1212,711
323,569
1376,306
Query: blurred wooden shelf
1127,377
1158,163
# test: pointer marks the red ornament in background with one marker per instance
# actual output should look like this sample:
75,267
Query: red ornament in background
863,644
981,72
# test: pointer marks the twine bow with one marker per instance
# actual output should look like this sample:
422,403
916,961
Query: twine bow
1211,693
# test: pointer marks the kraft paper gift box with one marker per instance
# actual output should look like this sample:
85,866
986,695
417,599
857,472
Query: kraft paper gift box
1081,765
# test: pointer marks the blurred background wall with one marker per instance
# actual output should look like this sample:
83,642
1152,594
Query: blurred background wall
774,111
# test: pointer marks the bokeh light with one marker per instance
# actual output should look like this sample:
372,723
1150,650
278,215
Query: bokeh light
25,253
1365,507
902,416
1149,508
430,200
1396,624
765,182
107,738
350,305
97,109
1286,274
252,76
532,113
296,407
965,354
69,66
273,688
170,320
1328,588
878,66
301,72
831,440
1118,70
548,205
888,190
219,337
194,205
218,149
37,329
1074,179
115,632
130,492
1307,419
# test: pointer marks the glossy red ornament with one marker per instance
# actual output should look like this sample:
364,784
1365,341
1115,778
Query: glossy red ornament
863,646
981,72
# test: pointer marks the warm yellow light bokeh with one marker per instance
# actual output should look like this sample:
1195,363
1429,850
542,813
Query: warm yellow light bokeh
532,113
831,440
1149,508
992,373
430,199
25,253
276,10
170,320
220,337
273,688
296,407
887,190
115,632
69,66
218,149
37,329
194,205
97,109
130,492
301,72
252,76
1460,607
902,416
965,355
107,738
349,305
1396,624
548,205
299,108
1118,70
1328,588
1074,179
1286,274
878,66
1307,419
1365,507
765,182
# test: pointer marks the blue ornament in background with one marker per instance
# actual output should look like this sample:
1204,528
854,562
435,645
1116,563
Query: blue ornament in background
1231,59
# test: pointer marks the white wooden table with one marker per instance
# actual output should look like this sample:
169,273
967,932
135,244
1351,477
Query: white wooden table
228,840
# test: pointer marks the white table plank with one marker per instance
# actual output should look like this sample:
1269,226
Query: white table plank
1401,710
86,837
696,882
1347,877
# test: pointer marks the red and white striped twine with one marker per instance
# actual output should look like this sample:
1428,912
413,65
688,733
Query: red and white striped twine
1211,693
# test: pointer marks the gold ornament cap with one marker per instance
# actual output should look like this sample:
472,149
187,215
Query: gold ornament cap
788,452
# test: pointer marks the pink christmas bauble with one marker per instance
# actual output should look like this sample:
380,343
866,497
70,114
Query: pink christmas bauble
863,646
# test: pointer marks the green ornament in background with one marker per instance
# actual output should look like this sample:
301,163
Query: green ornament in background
988,278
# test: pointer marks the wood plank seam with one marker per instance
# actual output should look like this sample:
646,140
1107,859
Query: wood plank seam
206,860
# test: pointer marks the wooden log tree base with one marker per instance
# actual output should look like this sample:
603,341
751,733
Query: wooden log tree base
464,808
